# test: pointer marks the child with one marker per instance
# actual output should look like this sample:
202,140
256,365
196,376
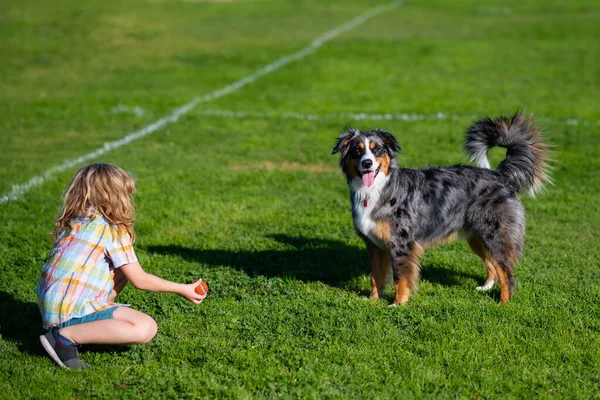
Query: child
92,260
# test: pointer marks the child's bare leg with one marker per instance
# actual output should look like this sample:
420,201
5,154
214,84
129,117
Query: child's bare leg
126,327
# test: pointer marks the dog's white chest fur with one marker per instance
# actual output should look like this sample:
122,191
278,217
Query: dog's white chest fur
363,220
365,201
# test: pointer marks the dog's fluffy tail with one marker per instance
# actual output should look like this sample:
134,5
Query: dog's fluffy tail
526,163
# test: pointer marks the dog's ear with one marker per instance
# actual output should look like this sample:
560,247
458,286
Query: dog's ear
389,140
344,140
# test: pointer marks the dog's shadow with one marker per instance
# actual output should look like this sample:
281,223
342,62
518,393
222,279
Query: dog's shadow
446,277
308,259
440,275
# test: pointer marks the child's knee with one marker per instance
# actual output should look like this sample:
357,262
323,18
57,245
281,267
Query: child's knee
147,329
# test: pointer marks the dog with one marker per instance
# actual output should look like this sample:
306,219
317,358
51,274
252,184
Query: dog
400,212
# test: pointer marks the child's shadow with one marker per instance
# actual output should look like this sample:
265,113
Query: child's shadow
20,322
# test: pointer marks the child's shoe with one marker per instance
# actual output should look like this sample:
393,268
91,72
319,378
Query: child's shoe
64,355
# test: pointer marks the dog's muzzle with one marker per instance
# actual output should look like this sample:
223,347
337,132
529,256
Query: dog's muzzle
368,177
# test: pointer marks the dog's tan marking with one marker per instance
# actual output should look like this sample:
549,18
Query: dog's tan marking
385,164
383,231
402,291
372,145
478,248
504,285
380,266
410,265
361,145
344,143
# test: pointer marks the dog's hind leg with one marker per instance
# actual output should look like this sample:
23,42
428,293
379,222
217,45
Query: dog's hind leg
507,282
478,248
406,265
503,255
380,266
497,219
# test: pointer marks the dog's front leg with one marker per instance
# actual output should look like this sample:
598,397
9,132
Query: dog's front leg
380,265
406,265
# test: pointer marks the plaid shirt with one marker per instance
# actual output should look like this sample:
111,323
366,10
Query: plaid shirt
78,276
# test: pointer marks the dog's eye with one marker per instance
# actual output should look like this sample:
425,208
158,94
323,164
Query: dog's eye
357,151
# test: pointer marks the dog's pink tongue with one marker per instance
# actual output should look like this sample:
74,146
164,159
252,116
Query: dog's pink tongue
368,179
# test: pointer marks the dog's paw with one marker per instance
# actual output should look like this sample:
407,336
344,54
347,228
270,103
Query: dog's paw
393,305
485,287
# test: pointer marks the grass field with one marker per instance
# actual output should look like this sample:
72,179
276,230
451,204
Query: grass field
241,190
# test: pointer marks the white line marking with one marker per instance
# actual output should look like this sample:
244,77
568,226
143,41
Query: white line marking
122,108
409,117
315,117
19,190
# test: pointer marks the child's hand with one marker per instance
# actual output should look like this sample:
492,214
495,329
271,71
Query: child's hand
189,292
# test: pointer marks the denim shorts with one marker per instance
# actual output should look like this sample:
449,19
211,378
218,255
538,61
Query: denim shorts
97,316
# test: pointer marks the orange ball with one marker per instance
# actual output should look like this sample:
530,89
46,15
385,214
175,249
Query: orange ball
202,288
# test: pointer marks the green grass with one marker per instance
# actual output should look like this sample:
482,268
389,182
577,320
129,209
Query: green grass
287,315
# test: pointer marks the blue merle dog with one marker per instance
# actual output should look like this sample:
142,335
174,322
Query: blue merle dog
399,212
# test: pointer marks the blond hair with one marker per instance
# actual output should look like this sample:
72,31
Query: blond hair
99,188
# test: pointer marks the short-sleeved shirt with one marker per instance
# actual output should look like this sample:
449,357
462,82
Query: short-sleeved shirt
78,276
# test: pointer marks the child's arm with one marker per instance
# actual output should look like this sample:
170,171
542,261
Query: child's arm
145,281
